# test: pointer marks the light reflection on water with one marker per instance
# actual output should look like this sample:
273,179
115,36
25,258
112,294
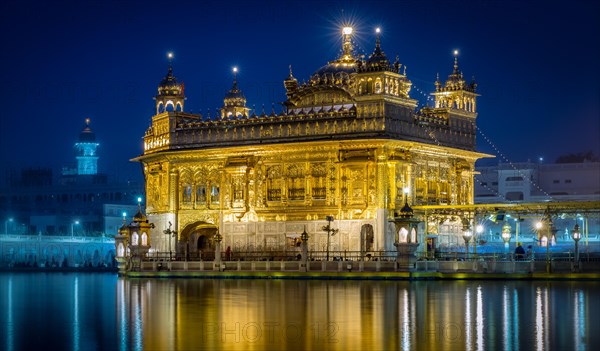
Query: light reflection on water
101,311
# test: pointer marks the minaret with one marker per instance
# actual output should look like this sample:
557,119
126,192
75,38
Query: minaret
456,94
85,151
170,95
377,77
234,104
290,84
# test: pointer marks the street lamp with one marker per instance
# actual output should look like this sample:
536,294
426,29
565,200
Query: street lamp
330,232
6,225
171,234
467,235
72,227
538,228
304,238
576,237
506,236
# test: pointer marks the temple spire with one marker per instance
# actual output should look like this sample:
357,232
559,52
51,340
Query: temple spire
455,62
235,70
347,45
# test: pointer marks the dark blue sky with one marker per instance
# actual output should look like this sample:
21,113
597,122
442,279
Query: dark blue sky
536,64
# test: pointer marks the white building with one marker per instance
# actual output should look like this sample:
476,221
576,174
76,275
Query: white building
536,182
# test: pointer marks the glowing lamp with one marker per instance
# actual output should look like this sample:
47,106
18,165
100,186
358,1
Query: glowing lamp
576,233
479,229
455,52
406,190
235,69
377,30
538,225
347,30
506,232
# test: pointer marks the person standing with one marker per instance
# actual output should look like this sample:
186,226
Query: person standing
519,252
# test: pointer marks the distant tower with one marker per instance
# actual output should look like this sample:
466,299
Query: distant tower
85,151
170,94
234,104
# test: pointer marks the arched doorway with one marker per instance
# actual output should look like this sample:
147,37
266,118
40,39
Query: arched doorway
366,238
197,241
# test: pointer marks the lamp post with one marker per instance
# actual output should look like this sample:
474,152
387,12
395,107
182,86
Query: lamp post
217,263
6,225
72,227
506,236
304,238
330,232
478,230
576,237
171,234
406,237
467,235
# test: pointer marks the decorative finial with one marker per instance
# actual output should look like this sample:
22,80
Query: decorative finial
87,121
291,75
455,61
378,41
347,45
170,58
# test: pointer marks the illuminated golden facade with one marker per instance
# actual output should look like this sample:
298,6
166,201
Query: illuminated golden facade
348,143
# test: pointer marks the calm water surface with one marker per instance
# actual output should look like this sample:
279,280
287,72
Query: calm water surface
88,311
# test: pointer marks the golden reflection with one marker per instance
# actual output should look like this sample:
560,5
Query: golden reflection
214,314
539,320
479,317
468,323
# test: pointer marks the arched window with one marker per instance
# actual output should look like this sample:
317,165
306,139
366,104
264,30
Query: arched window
201,194
120,250
135,239
403,235
186,196
378,89
144,239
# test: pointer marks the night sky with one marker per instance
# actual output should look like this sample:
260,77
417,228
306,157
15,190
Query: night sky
536,64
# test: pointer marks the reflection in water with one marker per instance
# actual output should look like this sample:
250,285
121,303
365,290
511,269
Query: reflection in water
539,320
468,324
101,311
267,314
76,334
479,317
9,316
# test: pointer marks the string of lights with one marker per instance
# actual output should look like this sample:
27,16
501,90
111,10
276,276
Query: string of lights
498,153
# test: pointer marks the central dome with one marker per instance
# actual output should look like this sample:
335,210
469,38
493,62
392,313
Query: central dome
336,67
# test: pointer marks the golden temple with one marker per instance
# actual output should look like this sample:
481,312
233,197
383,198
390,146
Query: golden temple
350,144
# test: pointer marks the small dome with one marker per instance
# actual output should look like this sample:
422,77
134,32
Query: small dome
86,134
139,216
169,80
234,93
377,61
124,230
406,211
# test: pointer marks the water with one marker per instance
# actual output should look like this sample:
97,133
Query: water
88,311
